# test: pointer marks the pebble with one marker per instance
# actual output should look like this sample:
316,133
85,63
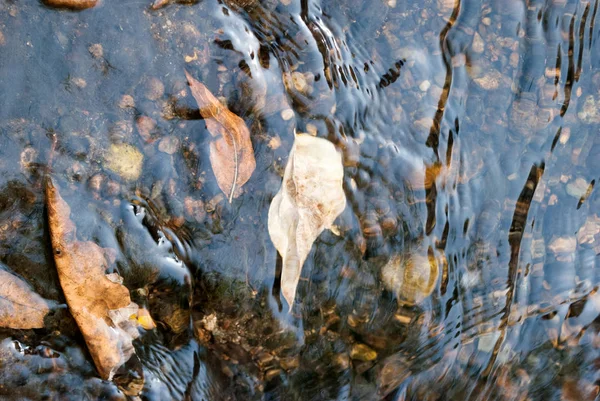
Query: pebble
577,188
563,245
514,59
299,81
590,111
28,156
96,50
490,80
169,145
311,129
287,114
125,160
290,362
126,101
145,126
478,45
275,142
445,6
271,374
362,352
95,182
424,86
342,361
487,342
79,82
402,319
154,89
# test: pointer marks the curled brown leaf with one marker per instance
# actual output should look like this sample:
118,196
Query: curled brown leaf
231,153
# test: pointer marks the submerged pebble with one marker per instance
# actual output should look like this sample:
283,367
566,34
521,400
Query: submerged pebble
125,160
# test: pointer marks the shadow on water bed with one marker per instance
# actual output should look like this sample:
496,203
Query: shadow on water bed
464,266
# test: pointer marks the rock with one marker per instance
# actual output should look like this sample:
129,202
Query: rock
299,81
71,4
412,276
446,6
394,371
490,80
563,245
590,111
588,232
126,101
28,157
275,142
145,126
487,342
79,82
287,114
169,145
424,86
96,50
577,188
527,117
362,352
477,45
290,362
154,89
125,160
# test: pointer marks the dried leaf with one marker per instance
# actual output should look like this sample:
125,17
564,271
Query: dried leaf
309,200
100,304
20,306
231,152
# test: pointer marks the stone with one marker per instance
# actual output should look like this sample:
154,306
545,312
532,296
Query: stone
125,160
362,352
590,111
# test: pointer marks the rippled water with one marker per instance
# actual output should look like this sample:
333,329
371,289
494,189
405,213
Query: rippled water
470,134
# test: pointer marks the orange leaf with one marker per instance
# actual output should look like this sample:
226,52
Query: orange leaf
231,152
20,306
97,301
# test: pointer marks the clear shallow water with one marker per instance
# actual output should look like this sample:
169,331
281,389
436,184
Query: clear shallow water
469,132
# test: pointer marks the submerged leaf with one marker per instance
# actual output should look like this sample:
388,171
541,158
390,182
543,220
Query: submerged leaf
100,304
20,306
309,200
231,152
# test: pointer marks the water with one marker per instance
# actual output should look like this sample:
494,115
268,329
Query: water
470,138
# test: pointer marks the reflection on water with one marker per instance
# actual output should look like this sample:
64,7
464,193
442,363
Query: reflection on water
463,267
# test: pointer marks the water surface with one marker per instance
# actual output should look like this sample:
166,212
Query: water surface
470,135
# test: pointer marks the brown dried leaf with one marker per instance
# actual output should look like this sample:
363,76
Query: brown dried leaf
100,304
20,306
231,152
309,200
71,4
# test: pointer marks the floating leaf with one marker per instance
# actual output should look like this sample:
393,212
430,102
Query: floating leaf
20,306
99,302
309,200
231,152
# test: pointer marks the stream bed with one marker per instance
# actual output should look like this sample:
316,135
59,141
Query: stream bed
465,265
